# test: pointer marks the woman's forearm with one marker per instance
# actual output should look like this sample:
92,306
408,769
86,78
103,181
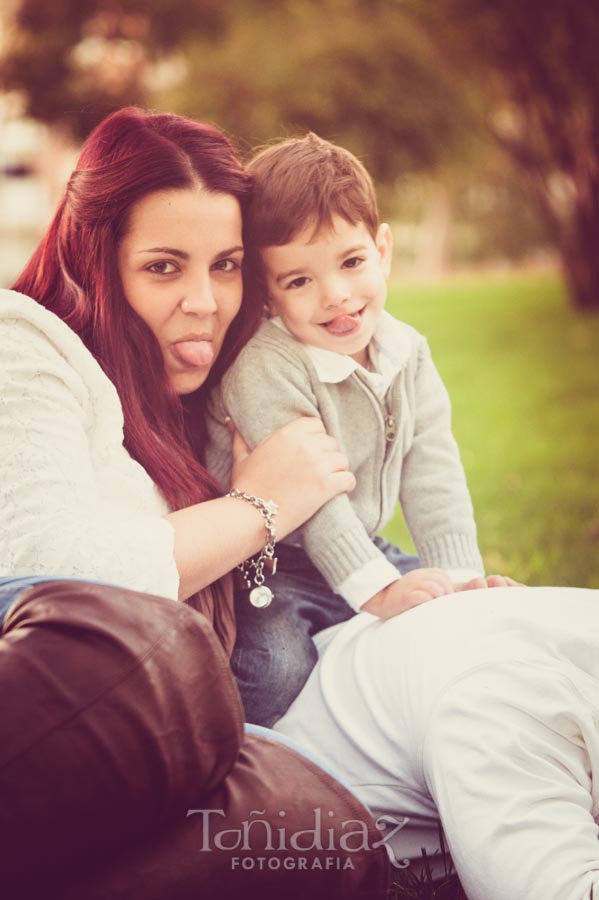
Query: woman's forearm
212,538
298,467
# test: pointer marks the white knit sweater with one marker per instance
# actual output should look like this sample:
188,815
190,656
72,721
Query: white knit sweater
72,500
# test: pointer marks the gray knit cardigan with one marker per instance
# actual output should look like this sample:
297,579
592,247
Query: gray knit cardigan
400,449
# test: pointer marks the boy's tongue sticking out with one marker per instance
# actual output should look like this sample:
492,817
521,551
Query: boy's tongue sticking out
343,324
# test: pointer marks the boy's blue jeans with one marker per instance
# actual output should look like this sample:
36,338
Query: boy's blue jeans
274,653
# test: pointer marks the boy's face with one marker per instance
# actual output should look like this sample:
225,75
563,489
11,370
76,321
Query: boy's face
330,288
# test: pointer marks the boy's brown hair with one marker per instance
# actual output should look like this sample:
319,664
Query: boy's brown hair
305,181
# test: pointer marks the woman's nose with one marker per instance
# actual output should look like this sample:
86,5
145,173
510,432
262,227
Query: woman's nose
199,299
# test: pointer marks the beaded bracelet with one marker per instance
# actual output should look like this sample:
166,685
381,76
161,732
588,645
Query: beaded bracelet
260,595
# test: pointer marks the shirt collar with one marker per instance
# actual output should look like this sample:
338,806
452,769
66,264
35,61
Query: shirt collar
389,351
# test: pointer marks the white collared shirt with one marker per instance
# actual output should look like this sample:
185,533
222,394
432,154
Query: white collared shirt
388,352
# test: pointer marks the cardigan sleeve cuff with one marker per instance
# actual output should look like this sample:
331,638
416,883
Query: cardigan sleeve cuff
346,554
367,581
452,552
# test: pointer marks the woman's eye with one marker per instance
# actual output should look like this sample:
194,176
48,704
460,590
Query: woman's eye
226,265
162,268
352,262
297,283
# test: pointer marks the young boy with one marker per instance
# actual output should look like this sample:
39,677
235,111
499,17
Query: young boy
321,259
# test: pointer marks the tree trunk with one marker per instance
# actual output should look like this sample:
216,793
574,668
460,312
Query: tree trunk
580,249
581,269
573,223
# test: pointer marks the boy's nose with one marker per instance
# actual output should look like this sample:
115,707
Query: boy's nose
336,293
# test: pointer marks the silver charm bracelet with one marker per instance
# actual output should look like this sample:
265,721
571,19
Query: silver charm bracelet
252,569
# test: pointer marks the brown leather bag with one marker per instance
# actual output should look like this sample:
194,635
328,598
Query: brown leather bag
118,714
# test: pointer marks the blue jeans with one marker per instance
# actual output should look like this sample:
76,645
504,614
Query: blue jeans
11,588
274,653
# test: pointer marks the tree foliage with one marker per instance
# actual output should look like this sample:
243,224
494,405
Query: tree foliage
409,85
356,69
339,67
76,60
538,67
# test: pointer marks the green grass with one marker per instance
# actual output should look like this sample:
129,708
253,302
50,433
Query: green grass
522,370
435,881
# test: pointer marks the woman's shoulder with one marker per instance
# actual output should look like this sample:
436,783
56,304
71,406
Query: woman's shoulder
35,342
36,330
21,313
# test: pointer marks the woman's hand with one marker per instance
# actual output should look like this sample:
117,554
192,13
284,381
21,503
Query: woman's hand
410,590
299,467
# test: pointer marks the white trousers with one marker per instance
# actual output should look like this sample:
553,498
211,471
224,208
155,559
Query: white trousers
483,708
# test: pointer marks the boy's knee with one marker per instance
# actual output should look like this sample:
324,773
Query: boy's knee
279,668
270,678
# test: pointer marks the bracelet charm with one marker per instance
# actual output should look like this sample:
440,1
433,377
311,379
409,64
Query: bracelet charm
261,596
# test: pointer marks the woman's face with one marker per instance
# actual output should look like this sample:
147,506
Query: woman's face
180,268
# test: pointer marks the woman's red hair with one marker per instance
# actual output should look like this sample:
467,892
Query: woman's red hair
74,273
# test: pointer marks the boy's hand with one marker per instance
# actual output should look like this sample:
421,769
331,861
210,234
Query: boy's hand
412,589
490,581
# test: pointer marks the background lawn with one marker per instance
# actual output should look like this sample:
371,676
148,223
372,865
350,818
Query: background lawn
522,370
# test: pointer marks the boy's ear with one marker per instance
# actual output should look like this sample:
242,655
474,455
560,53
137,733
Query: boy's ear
270,306
384,245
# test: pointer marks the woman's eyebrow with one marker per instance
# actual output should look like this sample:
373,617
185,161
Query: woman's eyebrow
171,251
223,253
182,254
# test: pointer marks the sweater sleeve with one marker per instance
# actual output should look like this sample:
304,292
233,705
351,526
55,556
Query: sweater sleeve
434,495
267,387
60,513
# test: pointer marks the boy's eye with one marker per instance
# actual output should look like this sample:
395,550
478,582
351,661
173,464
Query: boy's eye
162,268
297,283
352,262
226,265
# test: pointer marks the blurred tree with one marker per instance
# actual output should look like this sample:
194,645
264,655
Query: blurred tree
76,60
361,72
371,74
355,69
538,66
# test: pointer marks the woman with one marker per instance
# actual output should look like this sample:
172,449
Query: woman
118,709
139,328
143,266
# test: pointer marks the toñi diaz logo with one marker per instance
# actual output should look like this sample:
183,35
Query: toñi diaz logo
257,833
